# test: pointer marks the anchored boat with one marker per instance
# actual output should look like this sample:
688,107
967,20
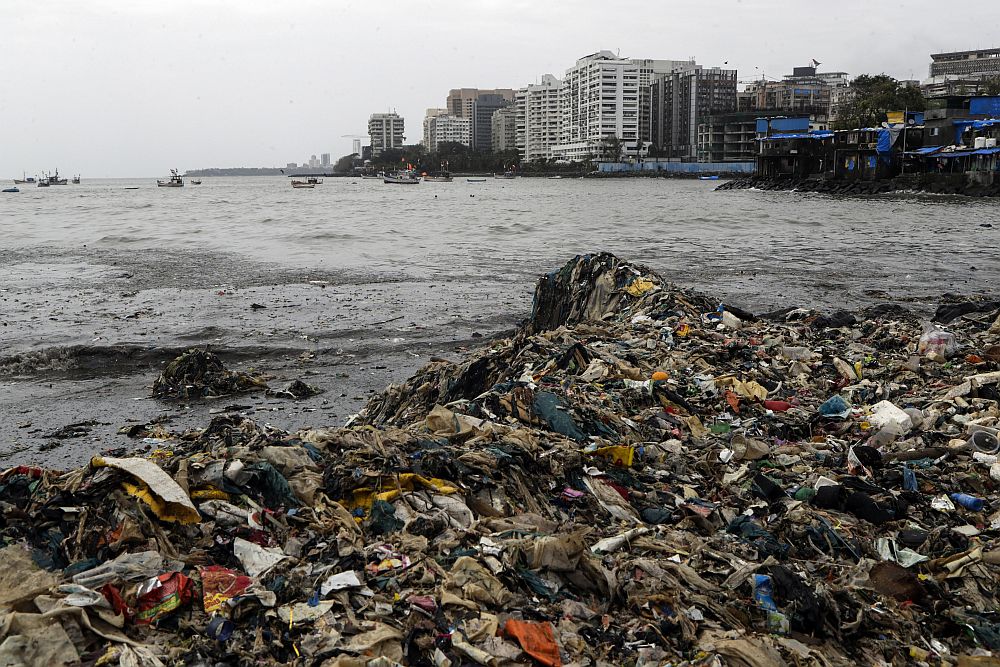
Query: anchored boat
50,179
402,178
175,181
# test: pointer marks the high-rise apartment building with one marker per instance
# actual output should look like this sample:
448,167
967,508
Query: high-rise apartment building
324,160
443,127
504,129
680,101
539,119
460,100
482,119
428,115
385,131
600,99
649,69
356,147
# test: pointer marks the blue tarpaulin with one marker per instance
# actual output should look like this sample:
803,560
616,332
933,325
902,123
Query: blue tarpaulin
811,135
884,144
954,154
926,150
986,151
984,105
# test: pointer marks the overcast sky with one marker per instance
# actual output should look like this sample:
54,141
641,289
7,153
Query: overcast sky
135,87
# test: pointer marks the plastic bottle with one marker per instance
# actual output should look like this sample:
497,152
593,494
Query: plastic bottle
968,502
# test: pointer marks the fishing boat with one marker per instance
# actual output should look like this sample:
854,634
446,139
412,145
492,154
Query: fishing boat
50,179
303,185
315,181
443,176
507,174
76,180
475,180
195,181
11,190
405,177
24,179
373,177
175,181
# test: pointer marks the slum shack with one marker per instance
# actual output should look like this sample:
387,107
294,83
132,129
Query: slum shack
638,475
795,155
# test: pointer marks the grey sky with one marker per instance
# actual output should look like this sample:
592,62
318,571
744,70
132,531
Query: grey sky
132,88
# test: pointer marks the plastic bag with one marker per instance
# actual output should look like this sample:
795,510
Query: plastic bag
937,343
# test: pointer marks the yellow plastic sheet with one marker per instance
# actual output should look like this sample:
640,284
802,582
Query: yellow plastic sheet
640,286
750,389
389,488
620,456
154,487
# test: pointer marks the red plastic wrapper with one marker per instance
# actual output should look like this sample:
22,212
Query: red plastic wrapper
220,584
115,599
161,596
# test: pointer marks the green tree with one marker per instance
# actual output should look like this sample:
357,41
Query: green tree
873,96
345,164
991,86
611,148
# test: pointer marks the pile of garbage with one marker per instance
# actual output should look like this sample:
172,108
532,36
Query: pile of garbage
638,476
201,374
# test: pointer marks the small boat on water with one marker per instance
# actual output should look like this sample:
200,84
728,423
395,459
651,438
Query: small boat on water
195,181
50,179
475,180
24,179
555,178
314,181
11,190
76,180
713,177
373,177
443,176
506,174
175,181
303,185
401,178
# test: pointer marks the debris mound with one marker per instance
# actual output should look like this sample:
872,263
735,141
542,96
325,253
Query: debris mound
637,476
199,374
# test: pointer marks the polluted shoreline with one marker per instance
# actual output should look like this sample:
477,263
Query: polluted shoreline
637,475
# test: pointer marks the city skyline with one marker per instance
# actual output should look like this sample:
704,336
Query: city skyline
106,89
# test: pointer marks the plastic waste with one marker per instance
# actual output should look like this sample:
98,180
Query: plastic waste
968,502
937,344
984,441
835,406
884,413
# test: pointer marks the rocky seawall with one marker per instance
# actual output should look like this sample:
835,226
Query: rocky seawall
639,475
945,184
